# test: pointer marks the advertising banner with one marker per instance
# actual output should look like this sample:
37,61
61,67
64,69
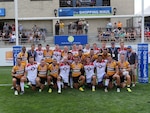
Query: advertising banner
16,50
143,63
70,40
85,11
2,11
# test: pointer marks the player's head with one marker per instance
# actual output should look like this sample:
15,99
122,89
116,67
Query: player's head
109,58
54,62
39,46
80,52
94,45
122,57
88,59
65,60
129,48
31,59
105,51
112,44
18,61
23,49
47,47
99,58
92,51
76,59
66,48
42,63
80,47
121,44
70,54
57,47
33,46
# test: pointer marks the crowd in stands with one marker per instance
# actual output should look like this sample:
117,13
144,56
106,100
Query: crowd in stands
94,67
32,35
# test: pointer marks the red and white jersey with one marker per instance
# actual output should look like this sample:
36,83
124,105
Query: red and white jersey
89,69
64,69
57,55
74,52
100,67
96,50
86,51
31,70
122,51
39,55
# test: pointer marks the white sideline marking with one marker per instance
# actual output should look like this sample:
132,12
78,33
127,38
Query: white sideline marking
5,84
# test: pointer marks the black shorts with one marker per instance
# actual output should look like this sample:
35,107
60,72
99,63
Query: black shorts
43,80
76,79
122,78
54,80
110,78
17,80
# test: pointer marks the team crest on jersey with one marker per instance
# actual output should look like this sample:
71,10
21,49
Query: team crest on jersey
33,68
40,54
65,68
89,69
100,66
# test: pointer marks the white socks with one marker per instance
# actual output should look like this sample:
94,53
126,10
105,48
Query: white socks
22,86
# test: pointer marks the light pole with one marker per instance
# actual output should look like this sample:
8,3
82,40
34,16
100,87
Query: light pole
142,32
16,21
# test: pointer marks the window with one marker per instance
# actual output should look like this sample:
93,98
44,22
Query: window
65,3
106,2
6,0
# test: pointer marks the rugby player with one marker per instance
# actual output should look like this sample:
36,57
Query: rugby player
18,77
24,56
42,75
39,53
124,68
48,54
112,73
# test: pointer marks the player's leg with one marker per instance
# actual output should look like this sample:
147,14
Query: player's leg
117,78
133,75
59,83
14,81
49,80
65,80
128,79
22,80
100,78
107,79
81,82
75,82
38,83
93,82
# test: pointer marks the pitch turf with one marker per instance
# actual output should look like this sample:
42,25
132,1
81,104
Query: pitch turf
73,101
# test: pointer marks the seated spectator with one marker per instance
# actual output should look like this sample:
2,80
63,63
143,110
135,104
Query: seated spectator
12,38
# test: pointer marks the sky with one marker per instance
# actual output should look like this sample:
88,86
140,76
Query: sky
138,5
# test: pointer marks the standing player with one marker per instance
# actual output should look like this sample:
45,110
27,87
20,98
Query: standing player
48,54
95,48
42,75
100,65
122,50
23,55
32,52
89,73
124,68
39,53
57,53
31,72
77,74
74,50
18,77
52,77
63,75
112,73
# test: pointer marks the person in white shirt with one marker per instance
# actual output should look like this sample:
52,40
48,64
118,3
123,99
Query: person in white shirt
31,72
63,75
39,54
89,73
87,49
57,53
100,66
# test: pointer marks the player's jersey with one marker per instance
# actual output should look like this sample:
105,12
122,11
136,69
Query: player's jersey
57,55
100,67
54,70
18,71
42,71
64,69
93,57
76,69
122,51
96,50
111,68
70,60
48,56
31,70
39,55
74,52
105,56
86,51
24,57
89,69
64,54
125,65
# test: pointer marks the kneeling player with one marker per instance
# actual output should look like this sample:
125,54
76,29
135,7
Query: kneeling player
63,75
89,73
124,69
52,77
112,74
100,65
42,75
77,74
18,77
31,72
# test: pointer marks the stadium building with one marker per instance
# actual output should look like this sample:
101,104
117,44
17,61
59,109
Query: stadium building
43,12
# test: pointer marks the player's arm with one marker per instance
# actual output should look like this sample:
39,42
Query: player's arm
13,72
117,69
128,66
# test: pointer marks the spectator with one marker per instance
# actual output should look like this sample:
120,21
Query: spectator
119,25
57,28
69,3
12,38
86,26
20,28
61,26
78,4
109,26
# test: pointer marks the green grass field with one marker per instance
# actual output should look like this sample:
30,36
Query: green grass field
73,101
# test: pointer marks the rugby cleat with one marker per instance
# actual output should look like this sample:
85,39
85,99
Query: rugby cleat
50,90
16,92
129,90
81,89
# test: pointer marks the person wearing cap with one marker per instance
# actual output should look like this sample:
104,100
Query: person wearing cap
132,59
113,51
